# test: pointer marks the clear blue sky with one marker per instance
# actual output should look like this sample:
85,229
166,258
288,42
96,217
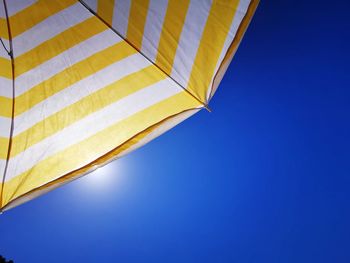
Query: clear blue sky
265,177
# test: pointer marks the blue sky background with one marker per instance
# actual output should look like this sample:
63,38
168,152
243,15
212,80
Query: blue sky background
265,177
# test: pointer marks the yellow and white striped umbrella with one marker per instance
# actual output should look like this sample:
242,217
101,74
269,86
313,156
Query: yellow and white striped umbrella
85,82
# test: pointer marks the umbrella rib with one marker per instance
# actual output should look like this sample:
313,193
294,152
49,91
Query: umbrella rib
205,105
10,53
3,44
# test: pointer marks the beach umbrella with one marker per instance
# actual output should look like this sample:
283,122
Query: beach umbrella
85,82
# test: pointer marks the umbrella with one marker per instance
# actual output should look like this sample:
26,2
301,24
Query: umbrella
85,82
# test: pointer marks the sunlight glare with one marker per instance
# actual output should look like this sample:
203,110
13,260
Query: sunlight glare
103,177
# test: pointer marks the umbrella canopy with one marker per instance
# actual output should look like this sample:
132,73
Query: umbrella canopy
85,82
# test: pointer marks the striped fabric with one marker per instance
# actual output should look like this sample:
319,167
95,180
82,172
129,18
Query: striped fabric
84,82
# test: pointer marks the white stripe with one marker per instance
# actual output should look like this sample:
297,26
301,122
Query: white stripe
64,60
79,90
3,53
15,6
93,124
5,125
237,19
121,16
49,28
153,28
5,87
190,38
2,10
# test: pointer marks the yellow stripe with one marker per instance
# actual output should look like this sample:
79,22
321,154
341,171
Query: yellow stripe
68,77
4,143
211,45
89,104
137,21
58,44
5,68
92,148
36,13
3,29
172,27
5,107
105,10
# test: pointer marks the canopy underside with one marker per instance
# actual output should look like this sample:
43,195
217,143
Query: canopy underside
90,81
